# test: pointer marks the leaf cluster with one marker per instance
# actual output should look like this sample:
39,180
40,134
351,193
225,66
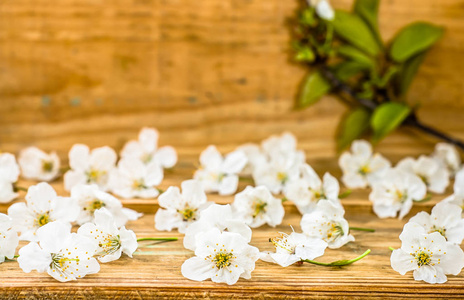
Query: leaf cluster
352,49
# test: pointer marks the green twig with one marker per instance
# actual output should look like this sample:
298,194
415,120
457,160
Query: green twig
284,199
391,248
338,263
157,239
246,179
362,229
345,194
19,188
160,190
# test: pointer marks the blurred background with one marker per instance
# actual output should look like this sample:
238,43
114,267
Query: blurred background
202,72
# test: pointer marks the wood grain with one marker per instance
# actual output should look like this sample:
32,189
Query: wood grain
154,272
202,72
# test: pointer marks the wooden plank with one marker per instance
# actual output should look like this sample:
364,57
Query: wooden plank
95,71
155,271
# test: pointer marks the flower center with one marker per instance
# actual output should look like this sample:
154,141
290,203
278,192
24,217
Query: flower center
423,258
58,261
282,177
282,242
258,207
109,245
95,205
146,158
47,166
440,230
319,195
43,219
223,259
334,231
364,170
94,176
188,214
400,196
139,184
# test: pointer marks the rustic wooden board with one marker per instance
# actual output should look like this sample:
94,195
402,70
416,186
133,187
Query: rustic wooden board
155,271
202,72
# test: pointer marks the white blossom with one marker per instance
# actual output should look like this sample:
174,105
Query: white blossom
38,165
326,222
256,206
434,175
216,216
9,172
90,167
277,146
42,206
362,168
8,238
293,248
146,149
63,255
428,255
179,210
458,195
444,219
396,193
220,174
448,156
90,198
309,189
277,173
323,9
221,257
255,157
110,240
134,179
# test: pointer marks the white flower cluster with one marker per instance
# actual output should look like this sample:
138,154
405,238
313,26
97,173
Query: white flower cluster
45,221
394,189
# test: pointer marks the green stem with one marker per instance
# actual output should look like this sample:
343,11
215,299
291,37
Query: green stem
19,188
160,190
345,194
362,229
246,179
157,239
391,248
338,263
65,169
284,199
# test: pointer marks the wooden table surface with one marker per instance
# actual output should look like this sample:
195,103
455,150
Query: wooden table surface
155,270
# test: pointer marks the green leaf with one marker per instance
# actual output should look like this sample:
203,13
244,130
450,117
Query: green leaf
356,55
315,86
347,69
305,54
408,71
387,117
368,10
353,29
354,124
391,71
413,39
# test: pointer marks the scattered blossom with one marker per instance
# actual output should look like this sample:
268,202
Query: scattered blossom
223,257
216,216
444,219
255,157
458,195
448,156
435,177
146,149
38,165
362,168
323,9
396,193
256,206
283,145
63,255
110,241
327,223
134,179
90,198
293,248
179,210
308,190
90,167
42,206
428,255
8,238
220,174
277,173
9,173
